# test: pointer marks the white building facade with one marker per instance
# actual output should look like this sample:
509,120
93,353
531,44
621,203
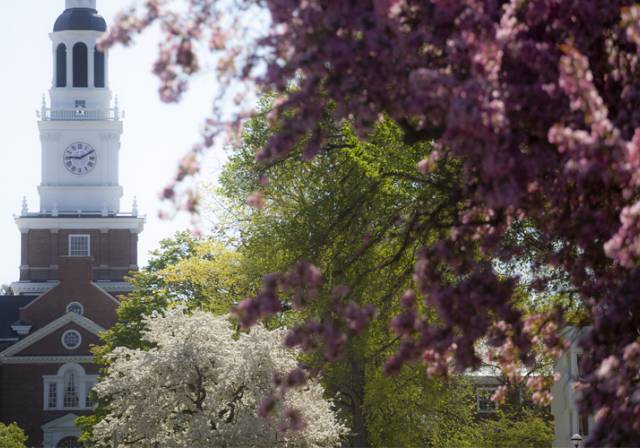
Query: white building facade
567,419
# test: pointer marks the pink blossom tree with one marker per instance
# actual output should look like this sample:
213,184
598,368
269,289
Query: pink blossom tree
537,99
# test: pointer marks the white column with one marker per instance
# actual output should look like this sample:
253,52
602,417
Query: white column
59,397
55,66
69,65
91,50
82,391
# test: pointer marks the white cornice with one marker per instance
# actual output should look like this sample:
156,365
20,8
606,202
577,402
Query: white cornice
47,360
114,286
75,34
68,318
38,288
100,290
26,223
35,288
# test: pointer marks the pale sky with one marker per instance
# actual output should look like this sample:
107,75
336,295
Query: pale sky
155,136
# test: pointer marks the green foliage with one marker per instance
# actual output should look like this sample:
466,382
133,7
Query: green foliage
12,436
410,410
522,430
350,212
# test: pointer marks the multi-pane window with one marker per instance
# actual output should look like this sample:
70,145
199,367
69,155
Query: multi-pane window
52,395
68,389
79,245
483,399
88,401
71,398
71,339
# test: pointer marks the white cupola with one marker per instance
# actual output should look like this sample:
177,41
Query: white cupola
80,129
78,62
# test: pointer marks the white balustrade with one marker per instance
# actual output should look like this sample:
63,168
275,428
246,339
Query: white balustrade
80,114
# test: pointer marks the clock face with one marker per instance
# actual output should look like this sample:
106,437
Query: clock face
80,158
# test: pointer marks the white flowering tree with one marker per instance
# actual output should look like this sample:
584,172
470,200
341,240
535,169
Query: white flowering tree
201,387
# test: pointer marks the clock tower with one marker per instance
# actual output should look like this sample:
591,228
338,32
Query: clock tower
80,193
77,248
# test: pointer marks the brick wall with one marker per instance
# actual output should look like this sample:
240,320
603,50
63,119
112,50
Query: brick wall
113,253
22,395
75,286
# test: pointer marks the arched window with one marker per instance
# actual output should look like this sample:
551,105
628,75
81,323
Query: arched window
98,68
68,389
61,66
69,442
80,65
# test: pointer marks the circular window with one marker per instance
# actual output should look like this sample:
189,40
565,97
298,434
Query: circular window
71,339
75,307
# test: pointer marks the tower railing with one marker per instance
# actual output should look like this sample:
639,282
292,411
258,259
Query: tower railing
80,114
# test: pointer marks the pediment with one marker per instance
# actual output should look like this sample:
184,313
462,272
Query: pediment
64,423
51,328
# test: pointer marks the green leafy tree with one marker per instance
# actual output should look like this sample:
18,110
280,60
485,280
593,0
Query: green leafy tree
353,198
12,436
350,213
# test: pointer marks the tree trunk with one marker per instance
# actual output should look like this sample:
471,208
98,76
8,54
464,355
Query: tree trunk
360,438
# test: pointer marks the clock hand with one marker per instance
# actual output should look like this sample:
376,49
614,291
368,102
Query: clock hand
92,151
79,157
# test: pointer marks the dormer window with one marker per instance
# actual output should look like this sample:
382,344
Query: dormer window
79,246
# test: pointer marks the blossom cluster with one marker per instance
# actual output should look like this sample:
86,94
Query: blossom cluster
538,99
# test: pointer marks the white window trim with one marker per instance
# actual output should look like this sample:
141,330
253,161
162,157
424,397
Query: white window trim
88,237
85,383
70,304
479,390
79,339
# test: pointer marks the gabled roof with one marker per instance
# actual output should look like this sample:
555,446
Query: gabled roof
79,320
10,313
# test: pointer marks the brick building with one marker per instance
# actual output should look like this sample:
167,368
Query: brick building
76,250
